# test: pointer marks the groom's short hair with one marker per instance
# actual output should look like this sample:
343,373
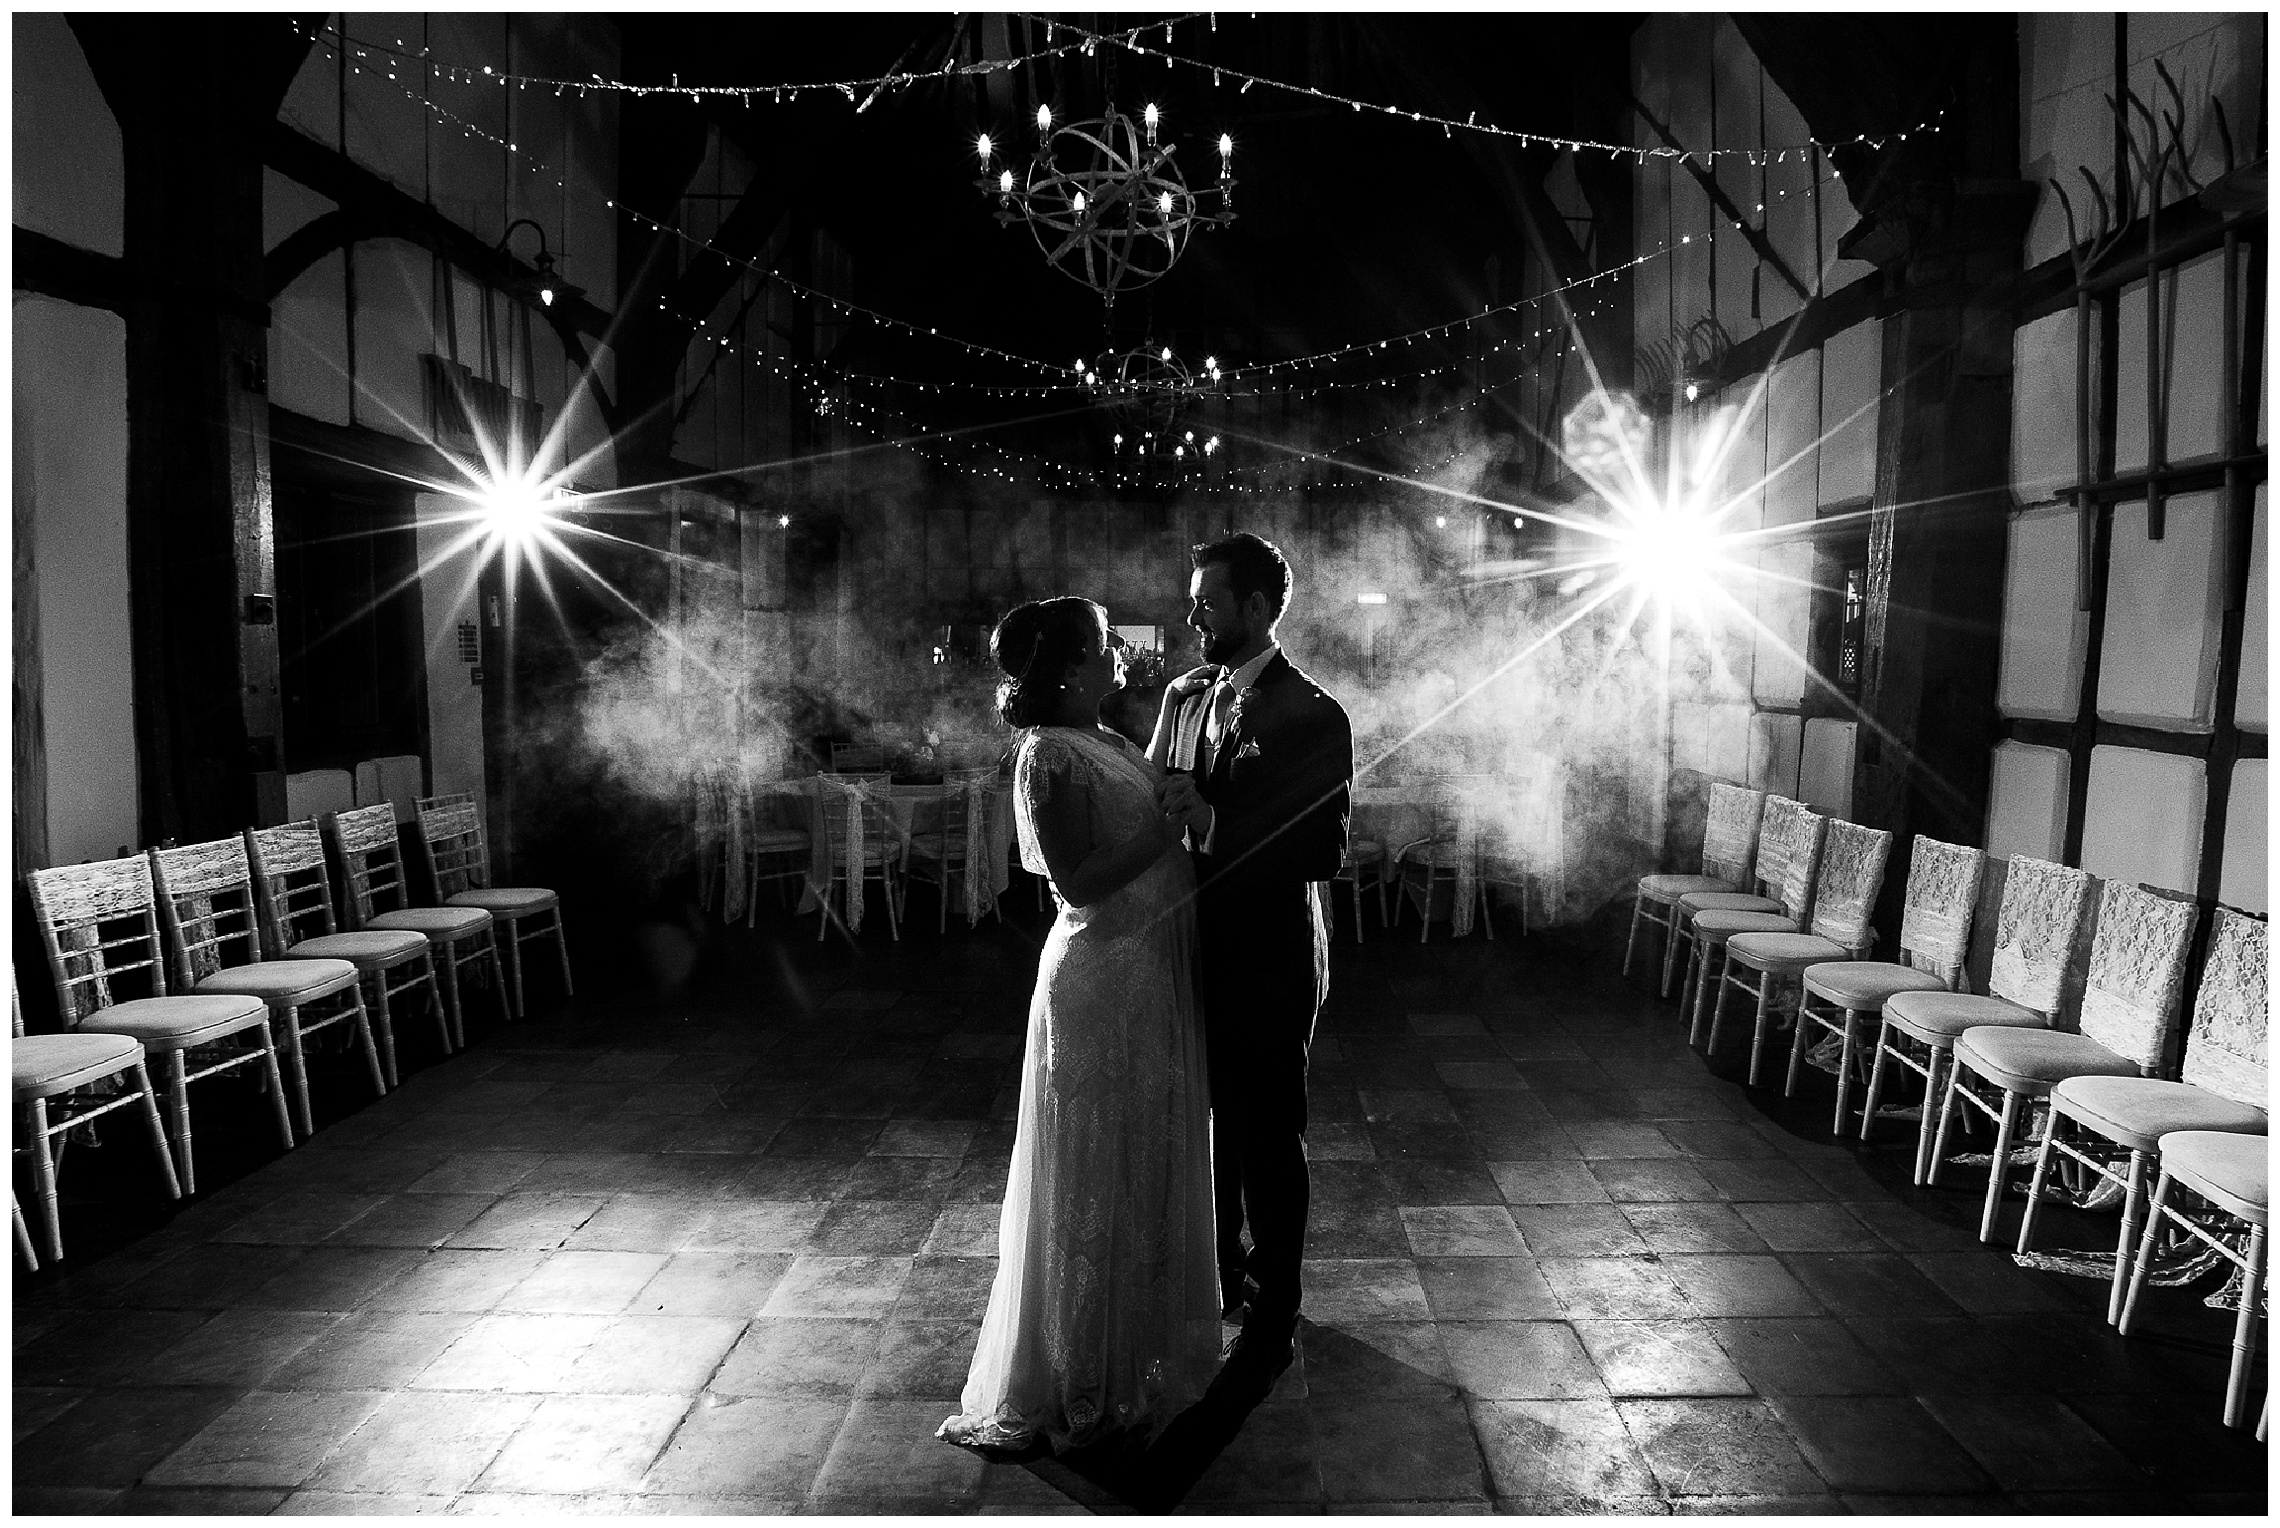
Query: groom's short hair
1254,565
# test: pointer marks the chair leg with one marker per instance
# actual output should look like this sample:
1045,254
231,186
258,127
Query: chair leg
499,976
297,1063
178,1119
1998,1166
453,1005
1845,1051
1805,1022
514,963
2244,1329
1937,1135
1638,915
2133,1206
1875,1080
435,999
562,945
23,1235
1764,1020
363,1027
43,1180
2035,1184
157,1128
2143,1259
276,1084
1725,980
377,1015
1671,938
1359,937
1486,922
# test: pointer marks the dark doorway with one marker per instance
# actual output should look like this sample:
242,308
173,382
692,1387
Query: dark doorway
348,613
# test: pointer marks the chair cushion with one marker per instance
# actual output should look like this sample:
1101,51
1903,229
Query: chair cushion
2138,1111
444,925
505,901
1863,985
1669,888
776,841
1433,855
172,1023
2033,1061
1361,851
1782,952
1717,927
369,948
283,981
2226,1167
1728,902
44,1065
1936,1018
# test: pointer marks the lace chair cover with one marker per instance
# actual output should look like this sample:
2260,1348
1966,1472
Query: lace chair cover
1800,858
973,786
1733,826
2225,1052
2137,972
2034,931
1776,821
1852,873
1935,923
842,803
1455,838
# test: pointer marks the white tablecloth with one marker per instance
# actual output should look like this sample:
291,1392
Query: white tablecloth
912,810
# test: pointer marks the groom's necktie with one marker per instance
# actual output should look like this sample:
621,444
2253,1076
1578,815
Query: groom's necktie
1215,721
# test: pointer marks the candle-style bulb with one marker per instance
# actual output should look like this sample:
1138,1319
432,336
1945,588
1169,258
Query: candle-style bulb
1079,203
1226,144
1164,203
1044,119
1005,182
1167,352
982,147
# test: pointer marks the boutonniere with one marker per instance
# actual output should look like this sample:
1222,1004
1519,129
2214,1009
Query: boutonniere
1249,750
1235,710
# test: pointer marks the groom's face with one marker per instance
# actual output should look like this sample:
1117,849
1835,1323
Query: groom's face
1221,622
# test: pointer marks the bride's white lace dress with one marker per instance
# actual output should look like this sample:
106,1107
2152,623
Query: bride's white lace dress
1105,1311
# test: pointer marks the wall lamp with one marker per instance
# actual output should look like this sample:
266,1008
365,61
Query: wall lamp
546,286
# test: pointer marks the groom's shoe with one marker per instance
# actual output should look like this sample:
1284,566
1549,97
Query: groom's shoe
1263,1348
1236,1295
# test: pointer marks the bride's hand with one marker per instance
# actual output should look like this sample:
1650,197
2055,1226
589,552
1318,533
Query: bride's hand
1194,682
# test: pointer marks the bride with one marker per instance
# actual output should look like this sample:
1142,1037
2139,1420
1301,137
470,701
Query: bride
1105,1312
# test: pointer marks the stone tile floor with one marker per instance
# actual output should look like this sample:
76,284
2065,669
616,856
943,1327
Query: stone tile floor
728,1251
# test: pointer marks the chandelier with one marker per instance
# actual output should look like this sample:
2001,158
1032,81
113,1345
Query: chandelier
1146,393
1104,199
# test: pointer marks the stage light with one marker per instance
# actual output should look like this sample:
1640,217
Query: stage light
1669,550
517,512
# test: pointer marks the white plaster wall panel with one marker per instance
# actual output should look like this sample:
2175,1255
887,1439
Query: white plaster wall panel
389,122
2192,341
464,155
312,103
1792,441
68,173
1825,765
2243,881
585,434
308,342
2142,821
1783,607
70,415
1690,724
2066,64
394,288
2157,666
1739,448
1852,369
1837,220
1789,221
1729,757
1735,98
448,598
2044,636
2043,423
2252,707
2026,801
2208,53
1776,741
1651,310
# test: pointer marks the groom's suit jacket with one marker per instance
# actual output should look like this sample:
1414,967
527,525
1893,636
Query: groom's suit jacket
1278,788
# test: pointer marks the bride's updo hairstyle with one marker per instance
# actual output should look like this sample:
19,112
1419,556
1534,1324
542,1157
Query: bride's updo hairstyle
1034,645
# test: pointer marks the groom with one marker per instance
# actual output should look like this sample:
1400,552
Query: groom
1265,805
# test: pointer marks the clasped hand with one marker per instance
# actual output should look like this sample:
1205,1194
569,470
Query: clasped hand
1183,805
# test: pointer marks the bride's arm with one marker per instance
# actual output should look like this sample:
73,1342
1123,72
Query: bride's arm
1084,872
1193,682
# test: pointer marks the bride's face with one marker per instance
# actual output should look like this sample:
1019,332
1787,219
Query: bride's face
1102,672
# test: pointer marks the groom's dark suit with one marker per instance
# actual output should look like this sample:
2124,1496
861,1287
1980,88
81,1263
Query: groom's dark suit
1277,786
